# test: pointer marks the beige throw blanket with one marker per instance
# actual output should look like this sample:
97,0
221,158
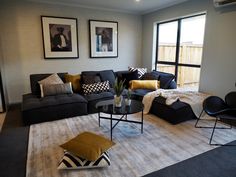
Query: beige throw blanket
193,98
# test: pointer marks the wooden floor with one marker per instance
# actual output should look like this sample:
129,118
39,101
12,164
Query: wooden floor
2,117
134,154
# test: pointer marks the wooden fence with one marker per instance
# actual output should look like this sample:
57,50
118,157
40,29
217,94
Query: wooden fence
189,54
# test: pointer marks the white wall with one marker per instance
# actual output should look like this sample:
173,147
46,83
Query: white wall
2,70
219,54
21,41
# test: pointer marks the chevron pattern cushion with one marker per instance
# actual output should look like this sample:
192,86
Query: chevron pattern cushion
70,161
96,87
141,71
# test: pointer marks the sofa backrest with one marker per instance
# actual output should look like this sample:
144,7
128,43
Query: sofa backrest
34,78
166,79
104,75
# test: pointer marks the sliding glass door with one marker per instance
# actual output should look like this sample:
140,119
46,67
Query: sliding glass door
179,49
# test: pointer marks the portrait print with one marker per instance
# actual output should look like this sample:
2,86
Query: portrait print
60,37
103,39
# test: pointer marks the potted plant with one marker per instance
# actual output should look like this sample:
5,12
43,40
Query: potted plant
128,99
118,87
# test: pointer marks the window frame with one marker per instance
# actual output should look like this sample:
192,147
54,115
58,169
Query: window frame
176,62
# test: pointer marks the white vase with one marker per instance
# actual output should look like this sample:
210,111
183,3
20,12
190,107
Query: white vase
118,100
127,102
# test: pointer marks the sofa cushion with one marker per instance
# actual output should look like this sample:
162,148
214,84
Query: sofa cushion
31,101
119,74
98,96
124,93
96,87
144,84
90,73
128,77
108,75
141,92
141,71
75,81
34,78
52,79
94,98
172,85
165,79
150,76
90,79
56,89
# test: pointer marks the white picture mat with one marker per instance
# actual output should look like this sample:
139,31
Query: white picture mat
114,26
46,34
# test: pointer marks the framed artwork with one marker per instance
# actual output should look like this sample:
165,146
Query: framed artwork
103,39
60,38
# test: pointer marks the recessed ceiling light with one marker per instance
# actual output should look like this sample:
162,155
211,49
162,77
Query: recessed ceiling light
137,0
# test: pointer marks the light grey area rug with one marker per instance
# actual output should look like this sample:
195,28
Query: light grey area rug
134,154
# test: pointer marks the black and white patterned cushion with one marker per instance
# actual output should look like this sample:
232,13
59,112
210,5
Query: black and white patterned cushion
141,71
96,87
70,161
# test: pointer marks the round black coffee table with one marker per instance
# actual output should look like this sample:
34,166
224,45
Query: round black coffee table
108,107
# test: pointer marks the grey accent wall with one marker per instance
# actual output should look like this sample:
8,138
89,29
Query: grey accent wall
22,46
218,72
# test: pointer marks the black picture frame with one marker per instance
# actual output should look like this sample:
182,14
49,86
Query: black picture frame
103,39
60,37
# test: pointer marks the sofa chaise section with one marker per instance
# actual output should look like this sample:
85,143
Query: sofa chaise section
36,110
176,113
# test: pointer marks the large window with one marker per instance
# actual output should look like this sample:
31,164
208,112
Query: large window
179,49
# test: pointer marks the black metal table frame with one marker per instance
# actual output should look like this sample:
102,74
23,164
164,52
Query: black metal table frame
118,120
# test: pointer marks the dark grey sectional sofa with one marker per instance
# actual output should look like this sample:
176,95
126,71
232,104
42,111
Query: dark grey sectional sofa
49,108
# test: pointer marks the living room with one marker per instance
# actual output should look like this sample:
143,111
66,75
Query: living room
23,53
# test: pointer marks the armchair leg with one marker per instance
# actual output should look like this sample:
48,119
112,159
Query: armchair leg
215,144
198,119
213,132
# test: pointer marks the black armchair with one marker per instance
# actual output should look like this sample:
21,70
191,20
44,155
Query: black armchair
220,109
230,99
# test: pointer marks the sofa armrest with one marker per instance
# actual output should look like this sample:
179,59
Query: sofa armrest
172,85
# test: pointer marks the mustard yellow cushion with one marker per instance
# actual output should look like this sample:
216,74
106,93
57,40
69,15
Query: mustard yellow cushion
88,145
75,81
145,84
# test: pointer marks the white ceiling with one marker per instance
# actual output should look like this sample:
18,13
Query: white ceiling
129,6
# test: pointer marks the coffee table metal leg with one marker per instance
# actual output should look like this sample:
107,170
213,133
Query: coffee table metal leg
111,127
142,123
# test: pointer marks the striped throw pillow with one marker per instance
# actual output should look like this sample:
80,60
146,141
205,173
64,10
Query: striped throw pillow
70,161
141,71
